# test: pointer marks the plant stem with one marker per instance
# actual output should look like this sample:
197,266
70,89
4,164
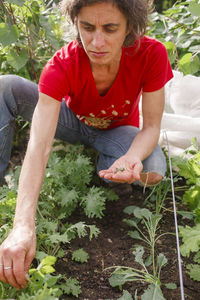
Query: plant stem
3,290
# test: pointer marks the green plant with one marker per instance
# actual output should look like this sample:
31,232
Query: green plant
189,168
67,186
178,28
126,296
30,33
158,195
122,274
42,285
194,269
80,256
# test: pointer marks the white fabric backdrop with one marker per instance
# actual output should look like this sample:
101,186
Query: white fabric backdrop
181,118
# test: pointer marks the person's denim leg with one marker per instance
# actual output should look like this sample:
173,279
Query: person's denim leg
112,144
18,96
70,129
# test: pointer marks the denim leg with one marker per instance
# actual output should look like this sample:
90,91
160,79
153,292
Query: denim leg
18,96
70,129
112,144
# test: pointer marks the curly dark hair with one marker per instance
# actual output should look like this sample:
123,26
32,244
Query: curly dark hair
135,11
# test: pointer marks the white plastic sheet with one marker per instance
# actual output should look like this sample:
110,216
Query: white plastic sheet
181,118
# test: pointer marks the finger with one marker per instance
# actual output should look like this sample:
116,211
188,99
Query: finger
18,268
8,271
137,170
2,277
119,177
28,260
111,171
102,173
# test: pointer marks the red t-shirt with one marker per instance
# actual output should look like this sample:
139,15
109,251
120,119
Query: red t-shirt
144,67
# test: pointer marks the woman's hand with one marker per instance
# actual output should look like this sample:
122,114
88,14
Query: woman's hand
16,255
123,170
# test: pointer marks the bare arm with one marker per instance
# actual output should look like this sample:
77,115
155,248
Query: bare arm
42,133
18,249
143,144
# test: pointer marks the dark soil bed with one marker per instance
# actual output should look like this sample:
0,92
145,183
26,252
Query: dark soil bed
113,247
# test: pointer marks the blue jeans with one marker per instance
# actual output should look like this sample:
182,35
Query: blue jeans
18,96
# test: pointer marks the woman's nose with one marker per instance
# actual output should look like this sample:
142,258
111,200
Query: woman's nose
98,40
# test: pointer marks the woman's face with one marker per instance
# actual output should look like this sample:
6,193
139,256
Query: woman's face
102,29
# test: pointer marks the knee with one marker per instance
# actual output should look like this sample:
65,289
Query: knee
7,84
6,80
150,178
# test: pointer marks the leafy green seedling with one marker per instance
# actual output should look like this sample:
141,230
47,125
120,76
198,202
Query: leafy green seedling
80,256
71,287
191,239
119,170
126,296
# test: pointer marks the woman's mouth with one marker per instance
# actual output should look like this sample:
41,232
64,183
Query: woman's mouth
98,54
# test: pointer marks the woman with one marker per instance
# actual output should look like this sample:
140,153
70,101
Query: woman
101,75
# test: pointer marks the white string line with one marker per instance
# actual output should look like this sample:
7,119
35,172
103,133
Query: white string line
176,223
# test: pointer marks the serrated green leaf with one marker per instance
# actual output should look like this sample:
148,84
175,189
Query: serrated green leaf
194,271
192,197
48,261
197,257
94,231
153,293
94,203
47,269
8,35
126,296
59,238
191,239
72,287
80,255
80,228
68,197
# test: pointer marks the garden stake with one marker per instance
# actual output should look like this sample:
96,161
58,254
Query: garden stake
176,223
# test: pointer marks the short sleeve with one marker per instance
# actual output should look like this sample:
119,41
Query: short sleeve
158,70
54,79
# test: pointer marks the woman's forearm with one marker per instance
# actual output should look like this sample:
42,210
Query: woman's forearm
41,137
30,182
144,143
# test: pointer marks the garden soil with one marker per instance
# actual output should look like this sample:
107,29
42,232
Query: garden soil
114,247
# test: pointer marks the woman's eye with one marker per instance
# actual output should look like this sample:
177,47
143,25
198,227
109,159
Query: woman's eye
110,29
88,28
